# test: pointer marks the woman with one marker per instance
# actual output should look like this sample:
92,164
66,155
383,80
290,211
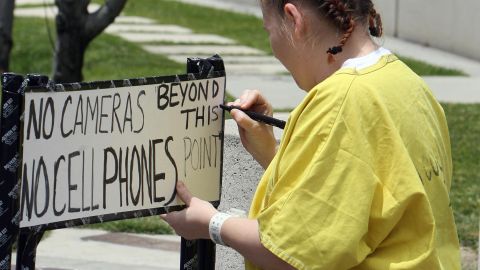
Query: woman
362,174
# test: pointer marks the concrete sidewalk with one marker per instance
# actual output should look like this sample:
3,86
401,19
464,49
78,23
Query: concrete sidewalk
84,249
283,92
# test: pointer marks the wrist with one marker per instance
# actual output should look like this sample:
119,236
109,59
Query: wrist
206,224
215,227
265,162
217,221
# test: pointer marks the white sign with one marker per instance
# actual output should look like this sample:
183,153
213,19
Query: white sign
99,152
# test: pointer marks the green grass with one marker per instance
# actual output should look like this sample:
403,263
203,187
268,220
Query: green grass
464,125
246,30
148,225
424,69
32,52
108,57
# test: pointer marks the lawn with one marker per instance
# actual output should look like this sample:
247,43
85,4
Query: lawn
110,57
464,125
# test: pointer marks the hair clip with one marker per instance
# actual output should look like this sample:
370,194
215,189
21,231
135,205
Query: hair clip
335,50
373,31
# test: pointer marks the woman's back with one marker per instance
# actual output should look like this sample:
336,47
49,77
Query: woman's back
364,169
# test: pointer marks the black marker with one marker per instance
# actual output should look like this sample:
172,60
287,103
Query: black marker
258,116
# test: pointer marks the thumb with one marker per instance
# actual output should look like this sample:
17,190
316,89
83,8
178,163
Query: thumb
183,193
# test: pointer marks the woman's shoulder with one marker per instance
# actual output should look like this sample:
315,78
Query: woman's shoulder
390,84
320,107
389,87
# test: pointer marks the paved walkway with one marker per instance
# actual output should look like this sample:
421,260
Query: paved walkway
83,249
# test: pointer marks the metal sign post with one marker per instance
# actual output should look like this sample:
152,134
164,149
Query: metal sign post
200,254
28,240
11,108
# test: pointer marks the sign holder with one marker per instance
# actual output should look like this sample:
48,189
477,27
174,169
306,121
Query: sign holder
194,254
200,254
29,240
9,162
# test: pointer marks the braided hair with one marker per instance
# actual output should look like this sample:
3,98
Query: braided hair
345,15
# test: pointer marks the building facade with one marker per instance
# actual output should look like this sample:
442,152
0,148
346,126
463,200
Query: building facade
450,25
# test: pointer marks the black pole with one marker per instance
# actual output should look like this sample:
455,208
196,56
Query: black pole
197,254
27,249
28,240
11,109
206,254
188,255
200,254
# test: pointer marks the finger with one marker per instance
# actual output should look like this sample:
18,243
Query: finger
245,94
242,119
241,100
166,218
236,102
172,218
252,98
256,101
183,193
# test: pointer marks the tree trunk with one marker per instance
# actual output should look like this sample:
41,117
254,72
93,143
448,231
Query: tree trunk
6,23
76,28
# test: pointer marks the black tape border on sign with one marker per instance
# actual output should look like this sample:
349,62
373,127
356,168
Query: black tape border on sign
97,85
9,161
127,82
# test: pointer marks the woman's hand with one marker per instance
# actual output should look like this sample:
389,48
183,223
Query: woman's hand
242,234
257,138
192,222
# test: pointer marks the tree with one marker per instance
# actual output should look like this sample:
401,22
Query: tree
76,28
6,23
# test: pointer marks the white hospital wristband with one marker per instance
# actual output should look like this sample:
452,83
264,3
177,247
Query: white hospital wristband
215,226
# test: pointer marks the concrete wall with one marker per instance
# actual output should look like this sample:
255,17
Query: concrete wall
240,179
239,183
450,25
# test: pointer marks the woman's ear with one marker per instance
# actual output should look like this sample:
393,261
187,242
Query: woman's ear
295,19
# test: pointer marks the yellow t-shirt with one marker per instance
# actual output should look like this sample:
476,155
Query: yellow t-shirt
362,177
